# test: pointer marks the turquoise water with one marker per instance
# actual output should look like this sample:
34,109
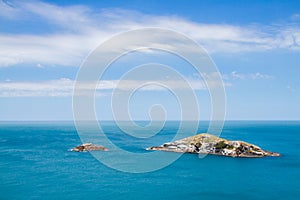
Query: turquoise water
35,164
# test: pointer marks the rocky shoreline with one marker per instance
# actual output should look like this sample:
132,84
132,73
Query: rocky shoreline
209,144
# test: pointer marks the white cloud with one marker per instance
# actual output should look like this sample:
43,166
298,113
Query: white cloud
64,87
65,50
258,75
236,75
80,29
251,76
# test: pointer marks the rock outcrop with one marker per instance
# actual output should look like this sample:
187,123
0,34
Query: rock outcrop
89,147
209,144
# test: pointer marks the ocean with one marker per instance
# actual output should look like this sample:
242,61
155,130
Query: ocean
35,163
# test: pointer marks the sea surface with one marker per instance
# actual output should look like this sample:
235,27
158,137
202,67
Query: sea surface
35,163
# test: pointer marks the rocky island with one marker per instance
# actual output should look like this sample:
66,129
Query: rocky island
89,147
209,144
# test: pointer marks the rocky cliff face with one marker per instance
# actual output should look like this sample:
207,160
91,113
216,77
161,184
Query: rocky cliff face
210,144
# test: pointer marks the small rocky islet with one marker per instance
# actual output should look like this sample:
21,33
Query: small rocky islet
89,147
209,144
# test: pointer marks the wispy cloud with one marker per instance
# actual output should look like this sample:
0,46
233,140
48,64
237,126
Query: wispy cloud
295,17
290,88
80,29
64,87
251,76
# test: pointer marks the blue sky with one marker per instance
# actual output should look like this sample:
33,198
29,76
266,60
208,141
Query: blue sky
254,44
